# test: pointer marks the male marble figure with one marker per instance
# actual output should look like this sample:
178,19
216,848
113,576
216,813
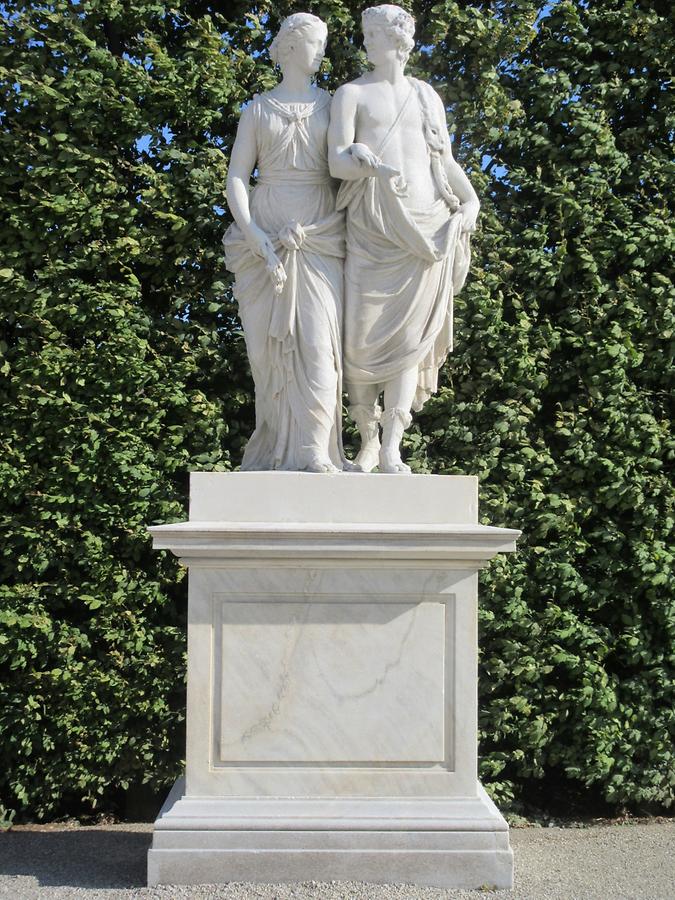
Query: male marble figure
410,209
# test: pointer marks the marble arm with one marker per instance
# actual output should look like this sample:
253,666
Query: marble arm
457,179
242,162
348,160
463,189
460,184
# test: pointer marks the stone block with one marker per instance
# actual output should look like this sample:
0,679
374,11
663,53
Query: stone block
332,692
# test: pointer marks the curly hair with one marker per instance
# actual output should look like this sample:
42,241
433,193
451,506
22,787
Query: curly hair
397,22
292,27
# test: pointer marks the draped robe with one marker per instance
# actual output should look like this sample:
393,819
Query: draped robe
292,338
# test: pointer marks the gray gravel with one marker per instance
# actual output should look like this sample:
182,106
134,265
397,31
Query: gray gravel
605,862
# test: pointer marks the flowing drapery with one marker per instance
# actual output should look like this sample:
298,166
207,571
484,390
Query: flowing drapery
292,338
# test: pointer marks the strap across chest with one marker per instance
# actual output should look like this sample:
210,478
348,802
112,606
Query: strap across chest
394,125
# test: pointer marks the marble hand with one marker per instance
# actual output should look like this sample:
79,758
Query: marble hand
276,271
470,212
259,241
370,163
384,171
262,246
365,157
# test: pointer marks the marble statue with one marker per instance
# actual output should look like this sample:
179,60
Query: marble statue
410,209
286,249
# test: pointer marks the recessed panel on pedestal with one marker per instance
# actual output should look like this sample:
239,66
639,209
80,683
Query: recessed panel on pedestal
332,680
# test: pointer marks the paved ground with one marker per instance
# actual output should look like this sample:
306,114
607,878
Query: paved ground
108,863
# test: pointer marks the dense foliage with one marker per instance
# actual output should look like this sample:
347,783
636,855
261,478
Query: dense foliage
122,369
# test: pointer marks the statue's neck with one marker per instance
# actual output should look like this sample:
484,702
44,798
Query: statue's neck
392,70
295,87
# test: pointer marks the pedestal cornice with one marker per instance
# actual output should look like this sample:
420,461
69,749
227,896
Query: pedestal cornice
192,541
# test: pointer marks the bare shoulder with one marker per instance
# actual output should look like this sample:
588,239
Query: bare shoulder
350,90
249,114
347,96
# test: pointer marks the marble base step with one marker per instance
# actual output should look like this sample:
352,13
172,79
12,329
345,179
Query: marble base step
438,842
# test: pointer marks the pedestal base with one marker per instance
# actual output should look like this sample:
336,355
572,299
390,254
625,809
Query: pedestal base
332,683
453,842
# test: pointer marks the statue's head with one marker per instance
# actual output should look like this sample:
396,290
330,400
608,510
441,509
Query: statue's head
387,28
301,41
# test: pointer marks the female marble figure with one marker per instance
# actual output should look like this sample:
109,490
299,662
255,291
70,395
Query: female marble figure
286,248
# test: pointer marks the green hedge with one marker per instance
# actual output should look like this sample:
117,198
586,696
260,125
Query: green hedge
123,368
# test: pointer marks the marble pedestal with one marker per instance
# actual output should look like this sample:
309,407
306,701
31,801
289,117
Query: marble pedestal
331,713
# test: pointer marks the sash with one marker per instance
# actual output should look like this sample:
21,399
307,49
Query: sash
394,124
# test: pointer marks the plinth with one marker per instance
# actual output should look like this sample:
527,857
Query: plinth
332,683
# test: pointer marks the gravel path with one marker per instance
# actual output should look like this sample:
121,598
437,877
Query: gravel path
607,862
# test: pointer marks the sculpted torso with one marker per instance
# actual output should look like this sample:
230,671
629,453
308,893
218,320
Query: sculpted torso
374,106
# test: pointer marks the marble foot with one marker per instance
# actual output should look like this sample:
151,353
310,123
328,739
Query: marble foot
322,465
392,464
367,458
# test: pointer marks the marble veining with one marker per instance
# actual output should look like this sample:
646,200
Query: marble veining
331,681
